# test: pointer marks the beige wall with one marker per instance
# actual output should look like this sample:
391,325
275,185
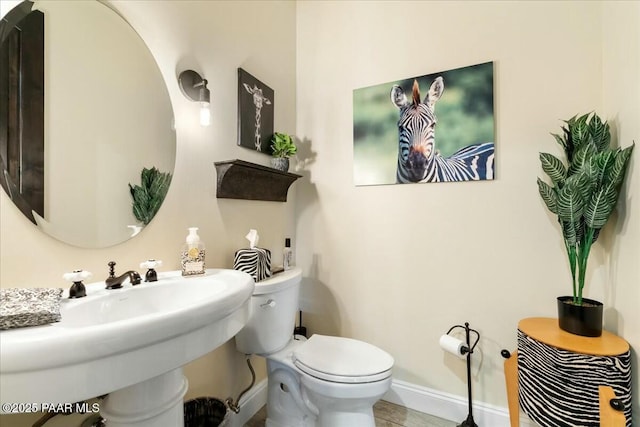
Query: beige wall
621,103
214,38
393,265
398,265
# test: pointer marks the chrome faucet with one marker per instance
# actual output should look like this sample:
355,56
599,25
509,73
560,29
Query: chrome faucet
114,282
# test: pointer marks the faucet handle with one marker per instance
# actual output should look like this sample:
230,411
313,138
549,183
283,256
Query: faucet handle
151,275
151,263
112,268
76,276
77,290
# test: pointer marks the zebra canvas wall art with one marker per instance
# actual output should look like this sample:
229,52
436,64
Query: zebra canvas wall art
255,113
395,138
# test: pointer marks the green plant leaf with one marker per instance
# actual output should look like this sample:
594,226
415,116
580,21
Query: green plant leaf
560,140
570,203
160,184
569,233
553,167
619,167
140,203
548,196
282,145
599,132
600,206
585,181
579,130
602,164
581,157
148,197
569,150
139,213
147,177
571,121
613,166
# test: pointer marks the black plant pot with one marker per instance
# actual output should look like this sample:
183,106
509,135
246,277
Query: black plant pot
584,320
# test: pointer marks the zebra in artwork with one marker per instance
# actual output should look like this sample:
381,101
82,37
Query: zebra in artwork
418,160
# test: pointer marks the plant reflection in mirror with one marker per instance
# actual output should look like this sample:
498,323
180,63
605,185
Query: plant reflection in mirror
148,197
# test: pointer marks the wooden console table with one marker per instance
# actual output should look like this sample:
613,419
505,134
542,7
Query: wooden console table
562,379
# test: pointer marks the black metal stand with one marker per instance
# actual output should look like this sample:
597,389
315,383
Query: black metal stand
469,422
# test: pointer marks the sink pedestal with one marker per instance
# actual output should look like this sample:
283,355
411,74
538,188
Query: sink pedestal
152,403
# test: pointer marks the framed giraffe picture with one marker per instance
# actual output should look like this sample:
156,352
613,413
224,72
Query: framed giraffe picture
255,113
395,138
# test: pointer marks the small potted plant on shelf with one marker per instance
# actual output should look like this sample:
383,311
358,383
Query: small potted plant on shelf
583,193
282,147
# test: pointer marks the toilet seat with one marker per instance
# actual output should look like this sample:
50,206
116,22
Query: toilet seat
342,360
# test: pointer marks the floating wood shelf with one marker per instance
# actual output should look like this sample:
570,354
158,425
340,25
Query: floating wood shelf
238,179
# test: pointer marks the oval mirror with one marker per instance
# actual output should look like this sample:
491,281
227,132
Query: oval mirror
87,146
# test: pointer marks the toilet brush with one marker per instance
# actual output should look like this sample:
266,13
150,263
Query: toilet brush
300,330
468,350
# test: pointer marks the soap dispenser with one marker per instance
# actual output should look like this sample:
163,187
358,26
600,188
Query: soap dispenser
192,256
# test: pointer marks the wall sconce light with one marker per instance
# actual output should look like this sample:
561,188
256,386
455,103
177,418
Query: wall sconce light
194,87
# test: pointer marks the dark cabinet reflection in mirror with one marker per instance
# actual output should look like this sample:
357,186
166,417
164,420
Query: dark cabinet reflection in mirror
22,108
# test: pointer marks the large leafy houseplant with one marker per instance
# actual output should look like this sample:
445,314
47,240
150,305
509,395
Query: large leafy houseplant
584,188
149,195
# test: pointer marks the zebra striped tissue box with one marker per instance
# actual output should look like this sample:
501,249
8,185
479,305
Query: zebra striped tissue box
254,261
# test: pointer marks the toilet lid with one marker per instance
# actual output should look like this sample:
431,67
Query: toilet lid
342,360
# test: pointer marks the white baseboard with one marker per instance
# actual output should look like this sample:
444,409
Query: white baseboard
449,406
250,403
433,402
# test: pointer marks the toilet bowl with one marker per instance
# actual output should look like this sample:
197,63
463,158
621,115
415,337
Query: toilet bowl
323,381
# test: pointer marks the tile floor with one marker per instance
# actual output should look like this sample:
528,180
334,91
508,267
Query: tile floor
387,415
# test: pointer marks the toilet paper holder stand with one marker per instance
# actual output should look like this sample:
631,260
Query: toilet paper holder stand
468,350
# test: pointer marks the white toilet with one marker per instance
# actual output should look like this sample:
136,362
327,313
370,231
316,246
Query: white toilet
323,381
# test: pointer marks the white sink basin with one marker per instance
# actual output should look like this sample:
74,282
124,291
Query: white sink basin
114,339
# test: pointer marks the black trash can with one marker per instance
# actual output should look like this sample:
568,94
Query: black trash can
205,412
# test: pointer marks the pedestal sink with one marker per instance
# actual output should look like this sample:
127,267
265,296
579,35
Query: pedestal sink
129,343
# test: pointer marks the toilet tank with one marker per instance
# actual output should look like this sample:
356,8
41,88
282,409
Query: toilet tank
274,305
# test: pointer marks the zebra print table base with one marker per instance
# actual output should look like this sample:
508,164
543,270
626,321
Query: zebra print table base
560,388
